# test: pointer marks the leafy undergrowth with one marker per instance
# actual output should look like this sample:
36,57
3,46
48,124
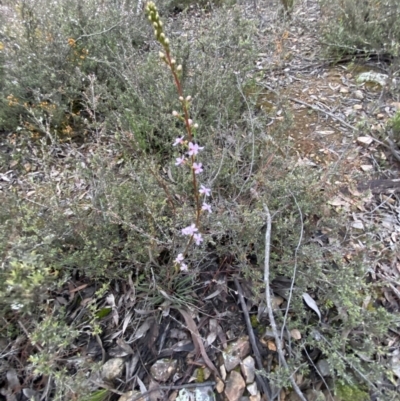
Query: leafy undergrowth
93,206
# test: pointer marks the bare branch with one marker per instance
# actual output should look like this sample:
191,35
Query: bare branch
269,303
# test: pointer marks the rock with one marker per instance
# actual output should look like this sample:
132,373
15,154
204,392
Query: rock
373,77
295,334
366,167
163,369
234,386
248,369
365,140
219,386
357,107
256,397
252,389
235,353
323,367
204,394
130,395
359,95
112,369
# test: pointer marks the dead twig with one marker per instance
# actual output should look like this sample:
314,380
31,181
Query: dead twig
198,343
261,380
269,303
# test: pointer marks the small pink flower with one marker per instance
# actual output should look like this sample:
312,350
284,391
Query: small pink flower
190,121
204,190
194,148
206,207
183,267
178,141
198,239
179,259
190,230
198,168
180,160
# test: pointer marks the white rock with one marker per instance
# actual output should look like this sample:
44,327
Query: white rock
365,140
359,95
248,369
112,368
252,388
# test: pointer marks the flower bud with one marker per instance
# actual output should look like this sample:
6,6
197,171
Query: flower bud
166,42
155,25
173,61
181,98
196,126
175,113
162,55
162,36
188,98
179,68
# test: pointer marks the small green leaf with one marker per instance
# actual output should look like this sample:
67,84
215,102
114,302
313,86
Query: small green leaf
103,312
99,395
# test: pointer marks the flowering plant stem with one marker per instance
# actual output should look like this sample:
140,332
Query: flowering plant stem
187,144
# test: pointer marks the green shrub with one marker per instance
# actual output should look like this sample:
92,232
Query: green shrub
369,26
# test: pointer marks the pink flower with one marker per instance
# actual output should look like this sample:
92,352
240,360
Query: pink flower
178,141
198,168
204,190
198,239
180,160
179,259
190,121
206,207
183,267
194,148
190,230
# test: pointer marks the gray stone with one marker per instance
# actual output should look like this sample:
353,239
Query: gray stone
359,95
163,369
112,369
323,368
248,369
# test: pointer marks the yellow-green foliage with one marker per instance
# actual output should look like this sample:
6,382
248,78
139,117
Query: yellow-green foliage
346,392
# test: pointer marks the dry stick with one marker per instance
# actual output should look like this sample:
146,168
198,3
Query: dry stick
263,381
315,108
269,303
295,265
